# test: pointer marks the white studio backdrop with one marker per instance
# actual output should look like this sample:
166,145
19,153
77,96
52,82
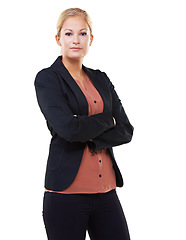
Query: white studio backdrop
141,46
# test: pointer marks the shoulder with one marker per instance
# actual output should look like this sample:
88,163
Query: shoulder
46,76
102,76
98,73
46,72
93,71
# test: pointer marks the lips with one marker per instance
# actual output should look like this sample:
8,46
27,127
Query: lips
75,48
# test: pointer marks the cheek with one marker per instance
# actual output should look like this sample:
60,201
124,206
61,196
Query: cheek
65,44
64,40
86,42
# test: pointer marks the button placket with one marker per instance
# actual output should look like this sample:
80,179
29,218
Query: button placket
99,164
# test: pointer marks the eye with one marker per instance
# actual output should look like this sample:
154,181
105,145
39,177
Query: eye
68,34
83,34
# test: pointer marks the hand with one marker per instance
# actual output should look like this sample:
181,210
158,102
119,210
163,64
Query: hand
114,121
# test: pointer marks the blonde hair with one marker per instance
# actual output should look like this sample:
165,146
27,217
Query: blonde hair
70,12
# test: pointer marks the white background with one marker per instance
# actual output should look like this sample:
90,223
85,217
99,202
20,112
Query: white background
141,45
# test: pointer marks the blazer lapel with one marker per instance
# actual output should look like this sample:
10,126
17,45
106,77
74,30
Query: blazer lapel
80,97
102,88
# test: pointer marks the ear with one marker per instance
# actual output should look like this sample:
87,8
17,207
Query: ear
91,39
58,40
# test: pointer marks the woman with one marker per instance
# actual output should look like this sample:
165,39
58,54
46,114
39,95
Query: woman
86,119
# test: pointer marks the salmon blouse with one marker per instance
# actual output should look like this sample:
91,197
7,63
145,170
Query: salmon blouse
96,173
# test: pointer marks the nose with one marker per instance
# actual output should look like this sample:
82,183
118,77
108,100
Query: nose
76,39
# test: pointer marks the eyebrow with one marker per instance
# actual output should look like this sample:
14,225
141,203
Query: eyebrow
80,29
84,29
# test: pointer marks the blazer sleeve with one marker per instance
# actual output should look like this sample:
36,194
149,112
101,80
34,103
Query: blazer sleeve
57,112
121,133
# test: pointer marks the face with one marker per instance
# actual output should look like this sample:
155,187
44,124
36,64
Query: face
75,38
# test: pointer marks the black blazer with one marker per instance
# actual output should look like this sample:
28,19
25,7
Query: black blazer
60,98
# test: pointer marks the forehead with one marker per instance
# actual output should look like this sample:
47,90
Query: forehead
75,22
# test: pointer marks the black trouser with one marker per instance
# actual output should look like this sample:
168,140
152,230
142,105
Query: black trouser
68,216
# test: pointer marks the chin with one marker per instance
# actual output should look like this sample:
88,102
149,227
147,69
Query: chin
76,56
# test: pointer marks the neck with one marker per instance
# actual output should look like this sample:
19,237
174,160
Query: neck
74,66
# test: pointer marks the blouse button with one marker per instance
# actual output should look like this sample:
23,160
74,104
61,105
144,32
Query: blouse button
95,101
100,175
100,161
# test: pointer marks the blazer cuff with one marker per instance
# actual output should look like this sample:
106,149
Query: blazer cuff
92,146
95,145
